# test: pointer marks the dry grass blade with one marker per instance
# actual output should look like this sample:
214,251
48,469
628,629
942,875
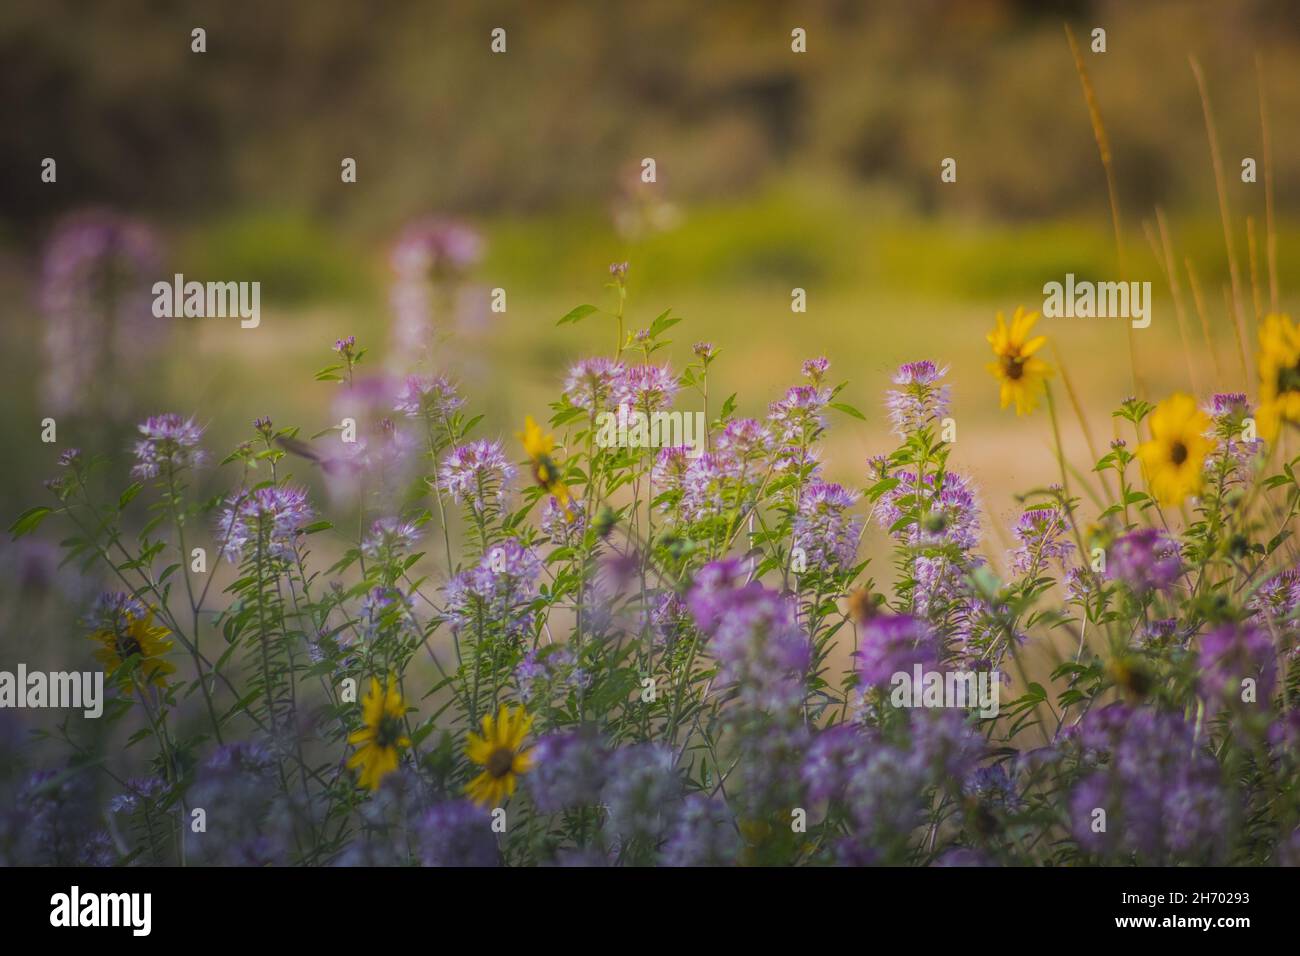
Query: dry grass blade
1220,186
1103,148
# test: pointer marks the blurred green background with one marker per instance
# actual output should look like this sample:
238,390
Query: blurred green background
775,170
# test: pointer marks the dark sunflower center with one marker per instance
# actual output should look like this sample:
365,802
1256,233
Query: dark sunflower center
1178,453
127,646
1014,366
547,473
500,761
388,732
1288,379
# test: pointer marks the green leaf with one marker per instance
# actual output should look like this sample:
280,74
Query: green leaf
126,496
577,315
662,323
29,521
848,410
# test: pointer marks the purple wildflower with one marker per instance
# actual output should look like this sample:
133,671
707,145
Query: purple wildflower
99,325
744,441
568,770
647,388
891,644
921,398
702,487
544,672
390,538
827,535
456,833
831,757
595,384
1146,560
641,786
1228,412
1229,655
704,834
949,513
431,397
477,473
1158,786
497,591
1042,533
170,444
815,368
264,522
796,418
436,247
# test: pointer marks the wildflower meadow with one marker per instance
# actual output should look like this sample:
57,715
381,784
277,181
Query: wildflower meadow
649,622
633,649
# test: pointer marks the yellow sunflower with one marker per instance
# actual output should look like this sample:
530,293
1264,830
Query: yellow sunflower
382,735
134,636
498,751
538,447
1279,375
1019,371
1172,460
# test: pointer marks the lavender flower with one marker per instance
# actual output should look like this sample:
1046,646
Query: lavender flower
948,510
640,786
1042,533
429,260
385,608
1157,784
99,324
1146,560
670,468
264,521
704,834
544,672
744,441
433,398
595,385
497,592
891,644
834,754
920,399
389,539
670,620
564,524
477,473
248,821
828,536
170,444
647,388
436,247
796,418
814,369
568,770
703,487
760,648
53,821
1276,600
1232,453
1230,654
114,611
457,833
